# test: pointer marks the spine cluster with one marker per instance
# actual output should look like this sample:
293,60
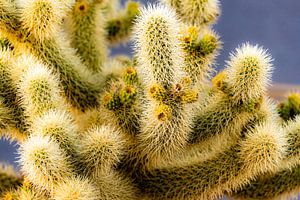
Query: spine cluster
159,125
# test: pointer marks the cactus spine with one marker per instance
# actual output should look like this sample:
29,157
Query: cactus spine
93,127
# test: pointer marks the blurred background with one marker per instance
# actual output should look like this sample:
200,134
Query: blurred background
274,24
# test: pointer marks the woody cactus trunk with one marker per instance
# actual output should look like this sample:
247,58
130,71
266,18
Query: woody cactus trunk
155,126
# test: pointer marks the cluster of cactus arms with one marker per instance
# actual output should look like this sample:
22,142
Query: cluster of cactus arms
156,126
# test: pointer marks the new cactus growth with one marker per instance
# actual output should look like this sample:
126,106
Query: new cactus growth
95,127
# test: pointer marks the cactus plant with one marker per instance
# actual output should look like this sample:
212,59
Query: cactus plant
91,126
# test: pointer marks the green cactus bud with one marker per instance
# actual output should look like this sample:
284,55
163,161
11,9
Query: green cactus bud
290,108
119,26
128,95
112,101
130,76
200,51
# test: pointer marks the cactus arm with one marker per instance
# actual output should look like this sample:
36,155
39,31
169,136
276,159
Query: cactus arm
85,26
230,169
201,13
10,99
285,181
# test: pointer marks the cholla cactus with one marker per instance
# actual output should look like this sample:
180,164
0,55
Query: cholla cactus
94,127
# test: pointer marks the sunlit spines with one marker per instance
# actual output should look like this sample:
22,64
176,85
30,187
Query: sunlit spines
220,116
285,180
42,18
39,90
164,132
175,4
76,188
264,147
101,149
81,87
159,55
209,179
200,12
43,162
248,73
85,26
60,126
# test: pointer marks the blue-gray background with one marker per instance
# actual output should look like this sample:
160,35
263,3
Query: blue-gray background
275,24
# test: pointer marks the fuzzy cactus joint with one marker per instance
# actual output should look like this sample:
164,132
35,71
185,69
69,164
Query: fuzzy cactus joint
156,126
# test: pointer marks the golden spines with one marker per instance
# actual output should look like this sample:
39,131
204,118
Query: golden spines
264,147
39,89
43,162
248,73
101,150
60,126
284,181
42,18
158,52
201,13
76,189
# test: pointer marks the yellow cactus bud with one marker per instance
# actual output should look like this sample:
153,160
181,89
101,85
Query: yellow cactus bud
218,80
163,112
82,6
157,92
189,96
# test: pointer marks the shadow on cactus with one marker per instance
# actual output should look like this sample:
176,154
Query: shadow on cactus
94,127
